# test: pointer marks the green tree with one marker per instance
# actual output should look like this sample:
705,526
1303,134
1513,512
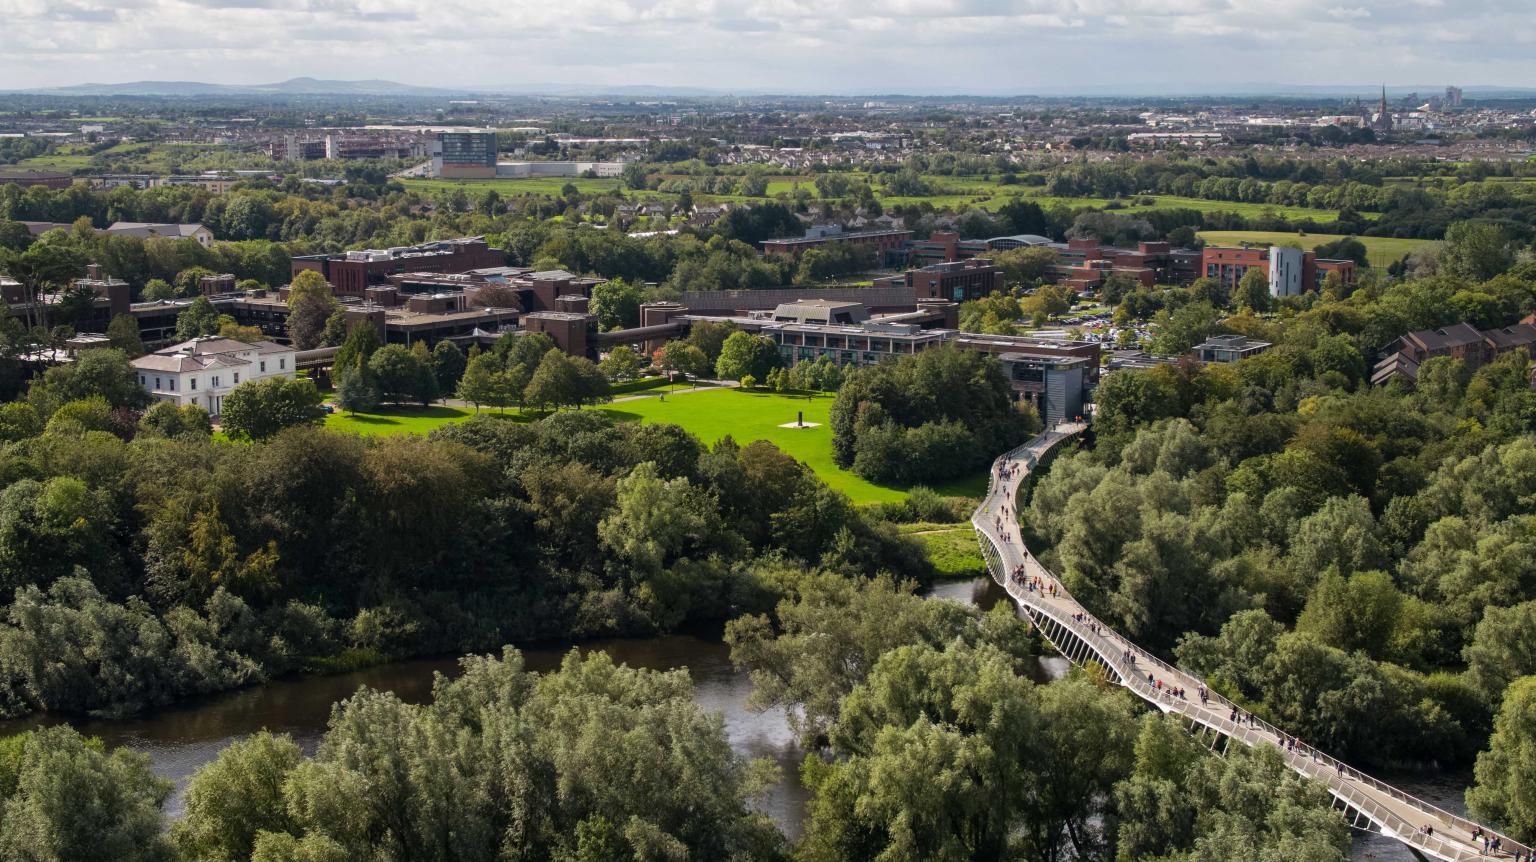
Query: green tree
259,409
621,364
357,388
1476,251
1502,649
1026,266
448,365
187,281
158,289
744,354
1181,802
44,266
403,376
167,419
199,319
123,334
709,336
616,304
506,764
480,384
358,348
1183,328
18,421
235,798
65,798
335,332
104,372
310,306
1505,792
680,357
1253,291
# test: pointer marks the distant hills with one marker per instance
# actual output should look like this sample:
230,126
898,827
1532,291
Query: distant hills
291,87
321,87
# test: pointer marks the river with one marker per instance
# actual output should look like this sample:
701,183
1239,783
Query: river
181,739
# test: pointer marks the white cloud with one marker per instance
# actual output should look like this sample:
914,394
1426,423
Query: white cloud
816,45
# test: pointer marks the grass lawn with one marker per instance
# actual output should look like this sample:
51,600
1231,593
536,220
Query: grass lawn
708,415
749,416
951,547
409,420
1378,249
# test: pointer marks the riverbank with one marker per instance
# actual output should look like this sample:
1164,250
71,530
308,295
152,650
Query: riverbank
181,739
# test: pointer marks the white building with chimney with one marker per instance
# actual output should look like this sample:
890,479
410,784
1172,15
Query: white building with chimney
204,370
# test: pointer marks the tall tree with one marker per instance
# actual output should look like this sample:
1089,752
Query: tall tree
310,305
744,354
123,334
198,319
447,365
1476,251
65,798
1505,791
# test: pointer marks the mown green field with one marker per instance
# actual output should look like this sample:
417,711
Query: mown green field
407,420
708,415
748,416
950,192
952,548
1379,250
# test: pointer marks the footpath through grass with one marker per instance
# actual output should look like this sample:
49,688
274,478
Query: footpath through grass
708,415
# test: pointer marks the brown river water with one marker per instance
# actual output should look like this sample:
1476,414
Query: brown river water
181,739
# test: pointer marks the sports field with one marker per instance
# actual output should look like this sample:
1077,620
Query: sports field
708,415
1379,250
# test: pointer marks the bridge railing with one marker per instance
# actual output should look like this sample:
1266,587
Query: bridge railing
1342,779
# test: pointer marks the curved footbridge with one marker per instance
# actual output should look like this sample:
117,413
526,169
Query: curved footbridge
1072,630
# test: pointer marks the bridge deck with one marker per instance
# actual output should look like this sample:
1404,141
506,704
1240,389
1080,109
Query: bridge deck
1061,619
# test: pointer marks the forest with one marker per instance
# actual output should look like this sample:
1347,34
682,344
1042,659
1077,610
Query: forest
1353,563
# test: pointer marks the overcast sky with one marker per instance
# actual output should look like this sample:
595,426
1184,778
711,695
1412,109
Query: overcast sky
822,46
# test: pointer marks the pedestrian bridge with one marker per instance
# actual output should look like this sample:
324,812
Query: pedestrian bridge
1368,803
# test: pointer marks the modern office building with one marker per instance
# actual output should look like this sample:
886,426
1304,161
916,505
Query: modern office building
856,345
464,155
1054,384
1229,348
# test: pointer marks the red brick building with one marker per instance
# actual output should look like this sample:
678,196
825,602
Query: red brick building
353,272
1229,265
1083,264
956,282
